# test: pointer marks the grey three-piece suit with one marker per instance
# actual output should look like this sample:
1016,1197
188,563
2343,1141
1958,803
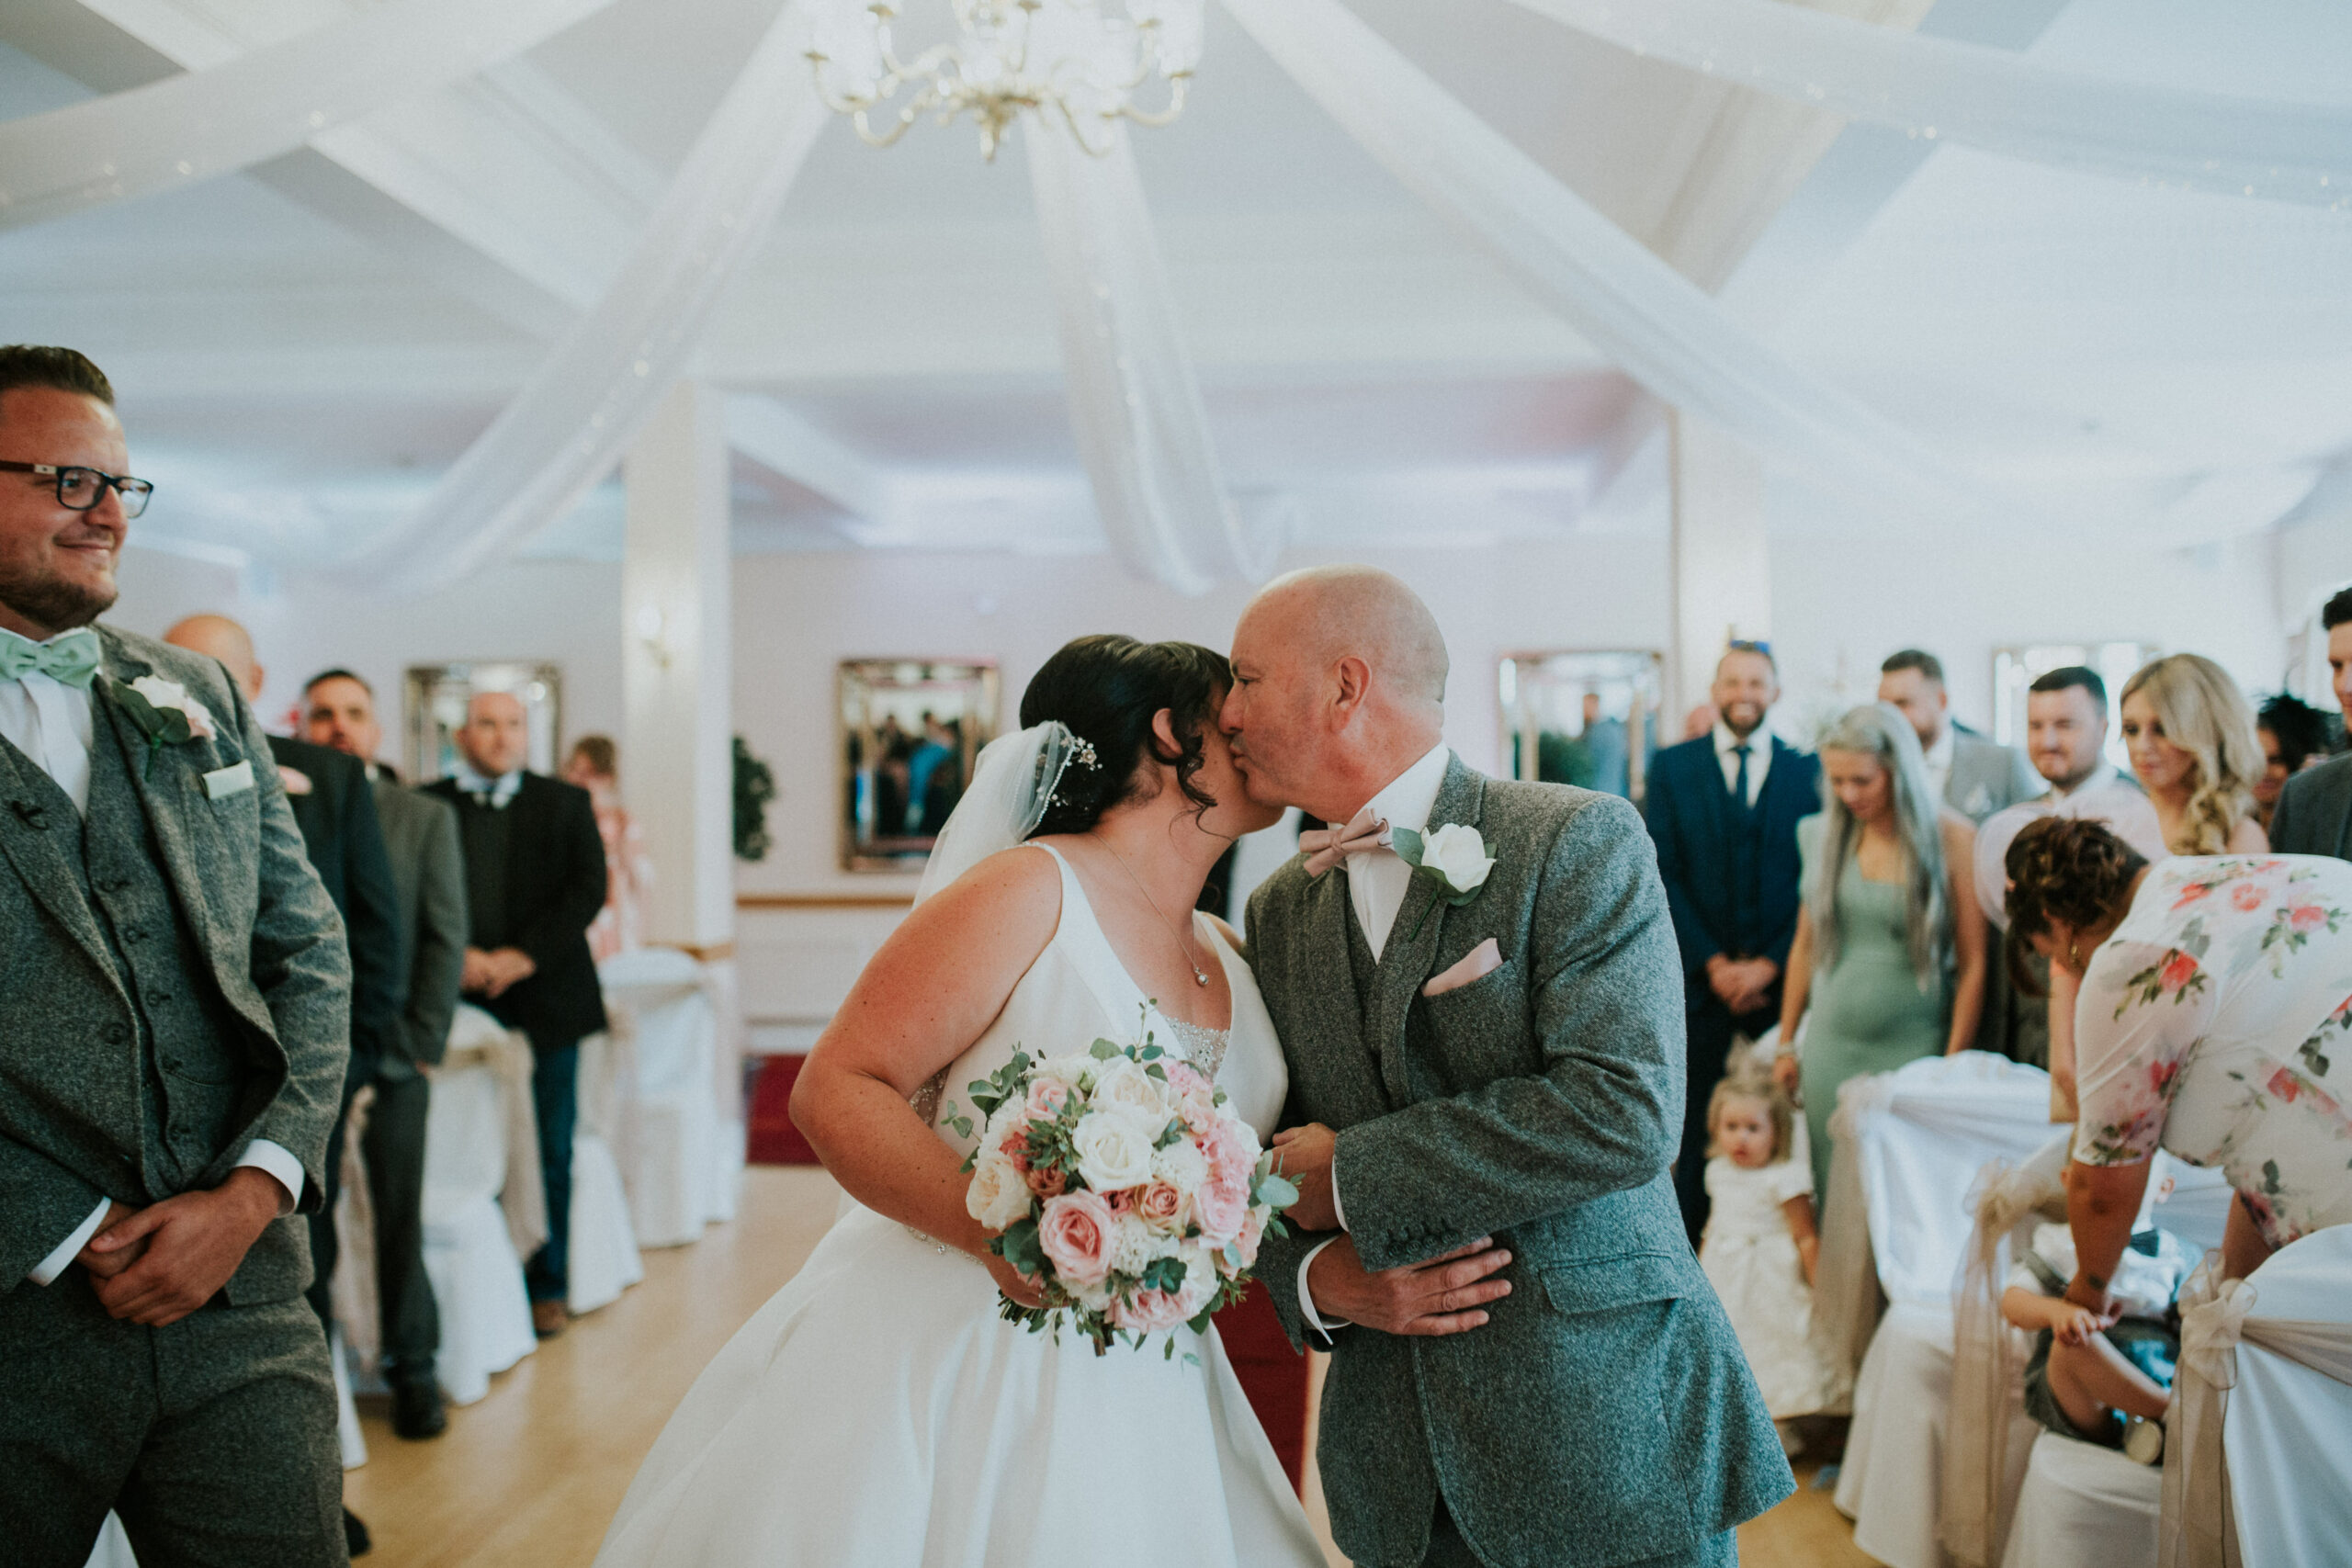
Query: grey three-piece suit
173,986
1604,1414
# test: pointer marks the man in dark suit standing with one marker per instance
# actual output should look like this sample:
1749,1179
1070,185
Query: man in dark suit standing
337,814
429,884
1723,810
176,993
535,879
2314,812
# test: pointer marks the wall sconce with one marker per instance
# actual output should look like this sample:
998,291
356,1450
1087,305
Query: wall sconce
648,634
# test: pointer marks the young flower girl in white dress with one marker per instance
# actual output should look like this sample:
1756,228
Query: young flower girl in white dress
1760,1244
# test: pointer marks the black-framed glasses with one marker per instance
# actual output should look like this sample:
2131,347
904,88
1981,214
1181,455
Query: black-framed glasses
81,489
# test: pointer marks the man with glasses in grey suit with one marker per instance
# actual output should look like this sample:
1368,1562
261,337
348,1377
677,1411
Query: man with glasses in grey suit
177,998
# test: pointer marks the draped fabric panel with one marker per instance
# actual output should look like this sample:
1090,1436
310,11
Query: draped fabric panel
1135,406
1993,99
261,105
570,423
1655,324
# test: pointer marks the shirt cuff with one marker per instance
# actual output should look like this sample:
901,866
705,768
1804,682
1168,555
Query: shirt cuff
50,1268
280,1167
1306,1298
1339,1212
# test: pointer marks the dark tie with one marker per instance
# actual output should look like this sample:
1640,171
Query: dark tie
1739,780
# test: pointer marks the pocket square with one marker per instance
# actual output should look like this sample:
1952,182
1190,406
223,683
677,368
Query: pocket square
1482,961
222,782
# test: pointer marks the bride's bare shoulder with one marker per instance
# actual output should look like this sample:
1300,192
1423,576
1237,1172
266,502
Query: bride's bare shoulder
1011,896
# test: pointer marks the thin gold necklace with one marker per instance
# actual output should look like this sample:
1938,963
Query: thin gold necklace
1200,975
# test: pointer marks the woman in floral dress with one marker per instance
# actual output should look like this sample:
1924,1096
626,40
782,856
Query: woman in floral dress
2215,1021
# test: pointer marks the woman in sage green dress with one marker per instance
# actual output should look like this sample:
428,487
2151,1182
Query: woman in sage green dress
1890,945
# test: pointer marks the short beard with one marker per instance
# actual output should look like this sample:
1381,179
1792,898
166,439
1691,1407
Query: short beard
55,603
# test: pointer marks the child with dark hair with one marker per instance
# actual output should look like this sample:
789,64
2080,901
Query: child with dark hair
2101,1378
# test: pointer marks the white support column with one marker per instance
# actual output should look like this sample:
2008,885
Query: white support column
1723,569
677,688
676,666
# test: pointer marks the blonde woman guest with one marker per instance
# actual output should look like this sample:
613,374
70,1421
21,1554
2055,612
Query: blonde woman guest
2193,747
1890,945
594,766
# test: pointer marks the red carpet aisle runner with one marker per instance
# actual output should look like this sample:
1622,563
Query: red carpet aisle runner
1272,1374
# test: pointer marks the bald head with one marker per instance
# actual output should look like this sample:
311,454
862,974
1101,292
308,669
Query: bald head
495,737
1338,687
218,637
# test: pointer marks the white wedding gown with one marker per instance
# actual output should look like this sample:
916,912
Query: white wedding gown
878,1411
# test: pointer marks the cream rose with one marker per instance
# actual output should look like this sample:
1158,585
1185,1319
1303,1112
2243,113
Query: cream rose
1121,1085
1458,854
1160,1206
996,1196
1113,1148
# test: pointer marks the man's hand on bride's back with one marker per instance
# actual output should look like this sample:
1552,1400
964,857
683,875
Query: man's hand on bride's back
1302,1158
1447,1294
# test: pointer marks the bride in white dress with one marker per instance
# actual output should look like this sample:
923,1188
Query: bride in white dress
879,1410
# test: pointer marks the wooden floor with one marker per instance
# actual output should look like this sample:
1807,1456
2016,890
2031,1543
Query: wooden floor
529,1477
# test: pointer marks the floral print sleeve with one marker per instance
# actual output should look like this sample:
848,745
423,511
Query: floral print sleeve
2143,1008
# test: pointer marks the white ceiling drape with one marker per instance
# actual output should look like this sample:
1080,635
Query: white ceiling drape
569,426
1135,406
1654,323
261,105
1993,99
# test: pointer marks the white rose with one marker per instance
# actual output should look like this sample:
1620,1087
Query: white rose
1458,854
1076,1070
1181,1166
1113,1148
166,695
998,1196
1122,1085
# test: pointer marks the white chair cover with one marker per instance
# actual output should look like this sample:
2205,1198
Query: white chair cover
2083,1505
353,1291
603,1258
1916,1140
662,1120
471,1254
353,1441
2266,1383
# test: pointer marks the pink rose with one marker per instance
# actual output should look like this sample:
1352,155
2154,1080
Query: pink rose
2307,917
2178,971
1159,1205
1046,1098
1231,1149
1147,1312
1253,1231
1014,1145
1122,1202
1222,1207
2246,896
1075,1235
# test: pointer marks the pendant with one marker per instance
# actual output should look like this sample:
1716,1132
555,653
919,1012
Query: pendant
1200,977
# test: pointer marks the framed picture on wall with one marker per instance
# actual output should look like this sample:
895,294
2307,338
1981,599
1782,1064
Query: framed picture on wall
909,731
435,707
1588,719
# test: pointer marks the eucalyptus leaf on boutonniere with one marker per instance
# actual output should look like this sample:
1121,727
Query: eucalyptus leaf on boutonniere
164,713
1453,857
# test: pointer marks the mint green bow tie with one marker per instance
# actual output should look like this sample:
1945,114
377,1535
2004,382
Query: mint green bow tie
70,659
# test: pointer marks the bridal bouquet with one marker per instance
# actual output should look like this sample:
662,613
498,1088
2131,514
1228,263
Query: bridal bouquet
1120,1178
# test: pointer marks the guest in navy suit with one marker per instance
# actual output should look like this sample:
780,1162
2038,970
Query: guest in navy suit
1723,810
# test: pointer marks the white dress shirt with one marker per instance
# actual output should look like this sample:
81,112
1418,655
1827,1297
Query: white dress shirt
1760,758
1938,759
497,794
1377,883
2100,777
53,723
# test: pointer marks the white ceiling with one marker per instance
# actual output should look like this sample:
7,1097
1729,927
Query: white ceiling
302,350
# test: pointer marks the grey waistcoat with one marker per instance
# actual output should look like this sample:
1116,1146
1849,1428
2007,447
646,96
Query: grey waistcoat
187,1056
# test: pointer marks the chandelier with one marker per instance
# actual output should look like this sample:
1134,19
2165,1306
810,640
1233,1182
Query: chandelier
1089,62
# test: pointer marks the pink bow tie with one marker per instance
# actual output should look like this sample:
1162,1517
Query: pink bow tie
1327,847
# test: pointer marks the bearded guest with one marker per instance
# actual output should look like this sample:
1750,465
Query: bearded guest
429,893
1724,811
535,881
178,997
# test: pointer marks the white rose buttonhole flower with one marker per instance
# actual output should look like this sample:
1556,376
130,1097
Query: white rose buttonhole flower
1453,857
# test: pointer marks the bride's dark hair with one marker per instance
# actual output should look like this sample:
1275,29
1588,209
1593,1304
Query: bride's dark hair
1108,689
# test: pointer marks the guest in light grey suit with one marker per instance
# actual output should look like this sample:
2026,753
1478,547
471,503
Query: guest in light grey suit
429,893
177,998
1972,775
1528,1367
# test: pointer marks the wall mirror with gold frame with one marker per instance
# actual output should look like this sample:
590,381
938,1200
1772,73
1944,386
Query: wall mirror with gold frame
1588,719
910,731
434,709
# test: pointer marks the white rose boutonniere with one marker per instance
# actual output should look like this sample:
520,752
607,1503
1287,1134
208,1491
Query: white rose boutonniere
1453,856
164,714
